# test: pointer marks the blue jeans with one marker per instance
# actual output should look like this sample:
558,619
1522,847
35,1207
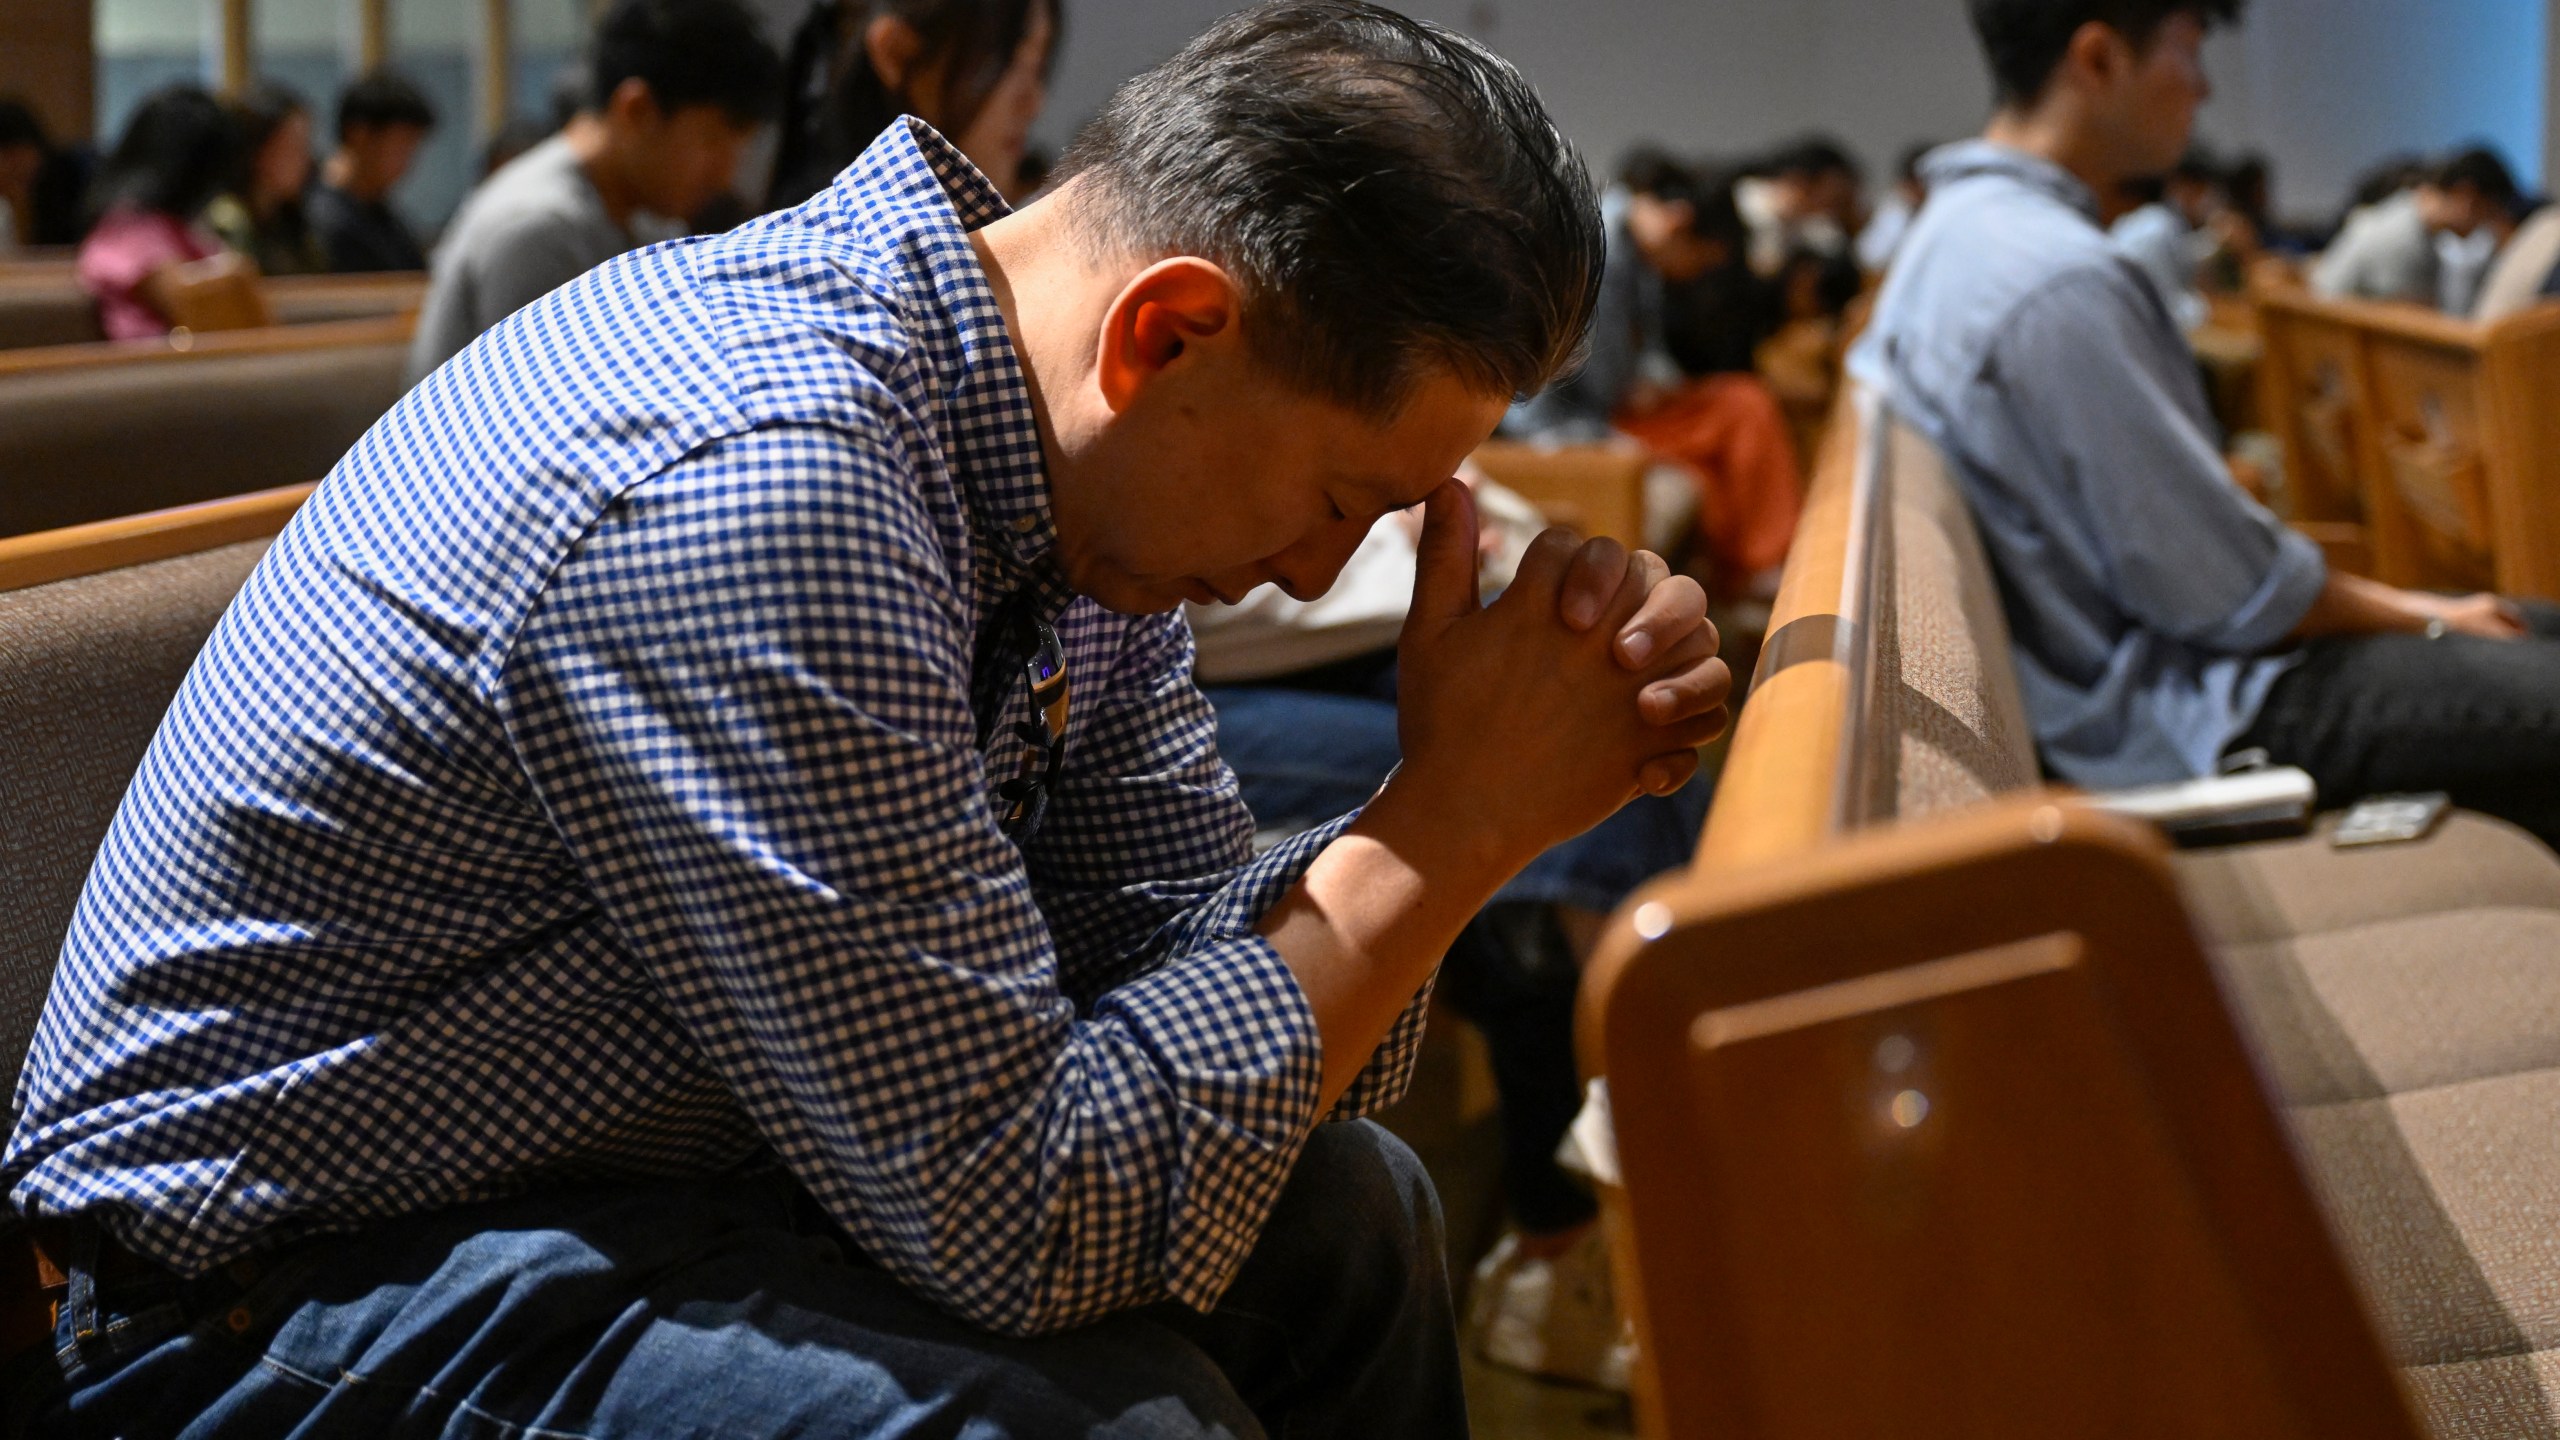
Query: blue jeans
729,1306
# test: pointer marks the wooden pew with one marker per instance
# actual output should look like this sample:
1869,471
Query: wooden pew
43,305
98,625
2311,382
91,431
2437,434
1946,1106
1598,490
307,299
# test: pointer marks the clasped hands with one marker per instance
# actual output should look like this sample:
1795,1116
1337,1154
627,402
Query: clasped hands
1592,679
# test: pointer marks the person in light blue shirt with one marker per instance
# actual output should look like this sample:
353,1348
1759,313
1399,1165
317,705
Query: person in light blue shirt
2163,619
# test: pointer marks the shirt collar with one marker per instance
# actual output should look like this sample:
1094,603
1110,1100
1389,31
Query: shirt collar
1968,158
914,197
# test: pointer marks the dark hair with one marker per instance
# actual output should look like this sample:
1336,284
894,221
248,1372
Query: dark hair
1390,195
688,52
2384,179
837,104
175,155
257,112
1810,157
383,99
1650,169
2480,168
19,126
2025,40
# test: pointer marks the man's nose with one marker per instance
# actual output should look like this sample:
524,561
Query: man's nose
1309,568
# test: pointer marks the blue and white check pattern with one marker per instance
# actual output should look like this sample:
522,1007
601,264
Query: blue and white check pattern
595,781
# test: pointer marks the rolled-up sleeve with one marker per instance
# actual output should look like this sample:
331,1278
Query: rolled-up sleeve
744,703
2118,415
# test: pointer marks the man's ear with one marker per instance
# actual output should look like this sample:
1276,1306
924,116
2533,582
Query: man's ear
631,106
892,46
1163,316
2098,55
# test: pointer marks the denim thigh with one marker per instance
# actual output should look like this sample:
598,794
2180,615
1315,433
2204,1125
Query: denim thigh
694,1308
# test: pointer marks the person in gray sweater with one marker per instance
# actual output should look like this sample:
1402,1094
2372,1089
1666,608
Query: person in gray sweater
679,88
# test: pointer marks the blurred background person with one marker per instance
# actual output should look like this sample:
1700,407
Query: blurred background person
1806,196
261,216
1669,230
2388,249
2522,275
677,89
1884,230
382,120
2168,232
975,70
176,154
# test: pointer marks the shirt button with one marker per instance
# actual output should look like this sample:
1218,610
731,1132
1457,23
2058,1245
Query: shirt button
1025,524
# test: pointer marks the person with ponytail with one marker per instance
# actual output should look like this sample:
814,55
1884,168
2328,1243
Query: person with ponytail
975,70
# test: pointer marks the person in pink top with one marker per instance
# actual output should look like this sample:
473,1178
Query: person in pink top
174,157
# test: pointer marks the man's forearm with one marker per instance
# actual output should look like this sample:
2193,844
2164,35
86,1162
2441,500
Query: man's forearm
2353,605
1372,916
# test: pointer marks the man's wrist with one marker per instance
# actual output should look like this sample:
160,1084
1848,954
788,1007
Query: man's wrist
1411,819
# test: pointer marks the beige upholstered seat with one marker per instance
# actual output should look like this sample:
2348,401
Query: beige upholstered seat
87,667
2418,1062
2303,887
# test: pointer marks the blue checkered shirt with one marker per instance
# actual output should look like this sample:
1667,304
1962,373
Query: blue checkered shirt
595,780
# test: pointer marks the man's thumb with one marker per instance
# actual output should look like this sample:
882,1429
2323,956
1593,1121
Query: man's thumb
1444,570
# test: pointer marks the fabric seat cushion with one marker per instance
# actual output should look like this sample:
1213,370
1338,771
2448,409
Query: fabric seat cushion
87,668
2417,1061
2252,893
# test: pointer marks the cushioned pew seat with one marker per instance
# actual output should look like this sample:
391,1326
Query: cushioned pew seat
2271,890
2418,1064
87,667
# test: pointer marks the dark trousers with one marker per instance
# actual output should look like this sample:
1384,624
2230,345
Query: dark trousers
2389,714
729,1306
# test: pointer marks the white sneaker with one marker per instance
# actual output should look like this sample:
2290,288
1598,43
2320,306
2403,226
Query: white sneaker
1555,1316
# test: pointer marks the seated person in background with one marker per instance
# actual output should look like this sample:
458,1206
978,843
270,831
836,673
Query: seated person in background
262,216
1716,319
2390,251
1725,429
975,70
1892,220
677,88
382,119
1305,693
1804,197
40,186
2161,231
2521,276
175,155
737,926
2163,621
